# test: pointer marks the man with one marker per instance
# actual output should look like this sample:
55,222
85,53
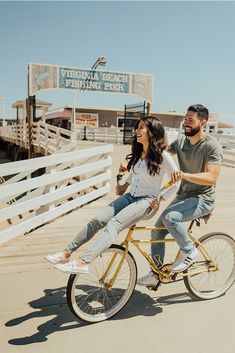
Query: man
199,156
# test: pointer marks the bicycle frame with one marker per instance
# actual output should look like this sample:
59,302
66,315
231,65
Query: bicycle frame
164,276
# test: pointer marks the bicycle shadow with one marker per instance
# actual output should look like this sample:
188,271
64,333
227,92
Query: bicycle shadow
53,304
179,298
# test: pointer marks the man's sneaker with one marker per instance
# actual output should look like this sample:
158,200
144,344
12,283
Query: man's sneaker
185,260
72,267
57,258
150,280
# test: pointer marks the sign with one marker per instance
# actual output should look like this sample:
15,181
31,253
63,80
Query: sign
88,119
44,77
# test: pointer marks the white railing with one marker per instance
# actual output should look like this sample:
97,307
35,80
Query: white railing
17,134
46,139
113,134
70,180
50,138
228,145
101,134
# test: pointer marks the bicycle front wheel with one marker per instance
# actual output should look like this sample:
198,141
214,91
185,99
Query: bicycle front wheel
210,279
88,295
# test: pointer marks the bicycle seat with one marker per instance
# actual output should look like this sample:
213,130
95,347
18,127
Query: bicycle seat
205,218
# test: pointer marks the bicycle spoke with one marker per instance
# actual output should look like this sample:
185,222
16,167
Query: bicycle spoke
214,282
93,299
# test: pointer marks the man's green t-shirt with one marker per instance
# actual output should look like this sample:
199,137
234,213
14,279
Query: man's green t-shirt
193,159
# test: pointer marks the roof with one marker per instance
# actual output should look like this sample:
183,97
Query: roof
39,104
222,125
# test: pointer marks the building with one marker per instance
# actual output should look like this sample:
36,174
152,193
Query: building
102,117
98,117
21,110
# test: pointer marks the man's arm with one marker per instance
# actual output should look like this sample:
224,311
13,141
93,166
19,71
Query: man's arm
209,177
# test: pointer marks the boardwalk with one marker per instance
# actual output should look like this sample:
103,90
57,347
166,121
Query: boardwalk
35,317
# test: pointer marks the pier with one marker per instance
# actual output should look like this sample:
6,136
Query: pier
35,316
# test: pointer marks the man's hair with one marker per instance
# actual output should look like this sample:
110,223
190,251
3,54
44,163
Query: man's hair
202,112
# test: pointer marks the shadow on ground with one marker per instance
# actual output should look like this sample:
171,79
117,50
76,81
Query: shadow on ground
53,304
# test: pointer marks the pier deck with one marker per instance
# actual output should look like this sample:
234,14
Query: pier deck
35,317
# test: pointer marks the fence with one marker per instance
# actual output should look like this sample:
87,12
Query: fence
228,145
113,134
69,180
46,139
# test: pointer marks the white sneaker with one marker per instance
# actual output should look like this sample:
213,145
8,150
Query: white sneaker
72,267
150,280
57,258
185,260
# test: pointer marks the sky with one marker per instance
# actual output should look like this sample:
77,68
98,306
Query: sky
187,46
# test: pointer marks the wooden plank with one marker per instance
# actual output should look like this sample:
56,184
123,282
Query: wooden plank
38,220
22,186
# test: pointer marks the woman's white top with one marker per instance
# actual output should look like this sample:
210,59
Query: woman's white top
144,184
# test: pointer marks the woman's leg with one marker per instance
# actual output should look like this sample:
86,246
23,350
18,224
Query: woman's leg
98,222
124,219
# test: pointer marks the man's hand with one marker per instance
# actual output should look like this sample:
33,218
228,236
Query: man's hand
120,189
177,175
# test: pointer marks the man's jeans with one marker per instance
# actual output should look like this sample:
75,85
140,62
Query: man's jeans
172,217
118,215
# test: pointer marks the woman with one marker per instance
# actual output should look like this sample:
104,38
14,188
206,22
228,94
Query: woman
147,165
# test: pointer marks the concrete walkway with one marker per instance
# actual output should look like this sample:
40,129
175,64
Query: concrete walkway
35,317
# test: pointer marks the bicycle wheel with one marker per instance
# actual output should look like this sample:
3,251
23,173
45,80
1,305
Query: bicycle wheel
212,282
89,299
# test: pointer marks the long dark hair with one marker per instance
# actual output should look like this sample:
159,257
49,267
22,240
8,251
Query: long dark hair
157,144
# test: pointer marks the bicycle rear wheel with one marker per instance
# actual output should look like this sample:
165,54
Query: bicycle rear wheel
212,283
90,299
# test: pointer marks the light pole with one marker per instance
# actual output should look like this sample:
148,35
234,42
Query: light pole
3,101
73,125
101,61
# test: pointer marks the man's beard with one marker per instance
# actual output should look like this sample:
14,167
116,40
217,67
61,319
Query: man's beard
192,132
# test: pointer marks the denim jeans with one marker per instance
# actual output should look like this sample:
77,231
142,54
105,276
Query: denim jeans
172,218
122,213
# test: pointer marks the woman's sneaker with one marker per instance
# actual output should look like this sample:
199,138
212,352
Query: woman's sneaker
57,258
185,260
73,267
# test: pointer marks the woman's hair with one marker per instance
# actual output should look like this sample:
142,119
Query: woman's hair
157,144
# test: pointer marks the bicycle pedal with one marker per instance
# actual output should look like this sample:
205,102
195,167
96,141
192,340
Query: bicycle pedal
155,288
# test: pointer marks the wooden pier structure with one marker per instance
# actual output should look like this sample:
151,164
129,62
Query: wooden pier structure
35,316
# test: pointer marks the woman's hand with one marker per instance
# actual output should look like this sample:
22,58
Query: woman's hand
120,189
155,204
123,167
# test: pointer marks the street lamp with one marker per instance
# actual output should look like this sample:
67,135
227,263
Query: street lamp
74,93
101,61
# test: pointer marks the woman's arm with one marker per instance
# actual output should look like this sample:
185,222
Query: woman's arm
121,189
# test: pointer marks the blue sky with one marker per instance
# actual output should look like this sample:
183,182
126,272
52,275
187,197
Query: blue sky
187,46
